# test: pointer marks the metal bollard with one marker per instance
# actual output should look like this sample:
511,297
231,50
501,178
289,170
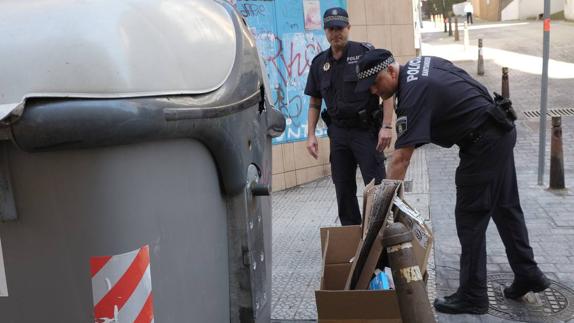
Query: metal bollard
466,38
456,36
411,293
480,59
556,156
505,90
450,26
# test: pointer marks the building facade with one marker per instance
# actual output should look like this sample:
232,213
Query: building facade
504,10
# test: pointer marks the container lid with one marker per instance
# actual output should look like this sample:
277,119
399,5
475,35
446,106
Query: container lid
112,49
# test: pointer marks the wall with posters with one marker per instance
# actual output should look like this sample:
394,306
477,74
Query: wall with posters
289,34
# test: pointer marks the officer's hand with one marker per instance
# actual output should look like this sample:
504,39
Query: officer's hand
385,136
313,146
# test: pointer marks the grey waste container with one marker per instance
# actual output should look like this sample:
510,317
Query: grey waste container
135,164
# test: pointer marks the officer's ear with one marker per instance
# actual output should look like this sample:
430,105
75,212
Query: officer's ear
393,71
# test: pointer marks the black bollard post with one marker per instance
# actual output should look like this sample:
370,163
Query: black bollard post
556,156
456,35
411,293
480,59
505,88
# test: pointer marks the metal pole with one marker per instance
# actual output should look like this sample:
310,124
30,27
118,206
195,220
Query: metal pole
544,92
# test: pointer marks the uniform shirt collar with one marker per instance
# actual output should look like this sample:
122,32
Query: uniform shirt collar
343,57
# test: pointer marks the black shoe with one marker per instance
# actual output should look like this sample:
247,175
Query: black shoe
455,294
455,304
520,288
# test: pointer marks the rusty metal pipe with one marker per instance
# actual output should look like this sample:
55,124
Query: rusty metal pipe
411,293
556,156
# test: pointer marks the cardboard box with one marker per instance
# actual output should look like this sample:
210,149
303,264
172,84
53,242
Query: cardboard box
422,235
334,304
404,213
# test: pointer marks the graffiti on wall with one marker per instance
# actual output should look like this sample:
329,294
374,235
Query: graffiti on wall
288,36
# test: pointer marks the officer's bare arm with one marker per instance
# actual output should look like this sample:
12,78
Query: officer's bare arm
313,116
388,110
400,161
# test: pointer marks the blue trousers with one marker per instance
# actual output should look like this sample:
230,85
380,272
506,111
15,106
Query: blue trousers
486,188
351,147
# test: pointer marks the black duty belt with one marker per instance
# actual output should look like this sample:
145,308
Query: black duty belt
347,123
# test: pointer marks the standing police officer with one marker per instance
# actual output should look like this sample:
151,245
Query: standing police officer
353,119
440,103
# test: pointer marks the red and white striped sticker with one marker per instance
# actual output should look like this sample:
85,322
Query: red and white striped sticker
121,287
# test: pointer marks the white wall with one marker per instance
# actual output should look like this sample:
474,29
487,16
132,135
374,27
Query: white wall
511,12
458,9
531,8
569,9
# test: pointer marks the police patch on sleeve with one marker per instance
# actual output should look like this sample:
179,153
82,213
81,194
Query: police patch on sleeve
368,46
401,125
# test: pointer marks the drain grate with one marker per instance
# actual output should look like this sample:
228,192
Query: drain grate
554,304
564,112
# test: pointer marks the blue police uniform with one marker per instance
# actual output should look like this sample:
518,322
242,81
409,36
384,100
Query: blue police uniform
352,130
440,103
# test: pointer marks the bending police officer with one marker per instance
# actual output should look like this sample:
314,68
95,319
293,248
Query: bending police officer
440,103
353,119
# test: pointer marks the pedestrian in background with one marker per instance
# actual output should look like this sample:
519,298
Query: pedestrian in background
440,103
357,134
469,11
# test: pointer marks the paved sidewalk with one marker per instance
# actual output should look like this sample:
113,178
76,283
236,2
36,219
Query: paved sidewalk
299,212
548,214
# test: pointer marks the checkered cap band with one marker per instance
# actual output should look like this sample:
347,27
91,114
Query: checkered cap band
376,69
336,18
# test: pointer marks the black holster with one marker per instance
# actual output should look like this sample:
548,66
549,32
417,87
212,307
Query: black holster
502,112
370,118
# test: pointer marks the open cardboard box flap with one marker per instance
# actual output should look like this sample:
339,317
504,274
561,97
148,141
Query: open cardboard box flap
350,306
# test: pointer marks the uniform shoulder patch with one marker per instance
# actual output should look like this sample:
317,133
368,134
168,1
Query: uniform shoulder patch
368,46
401,126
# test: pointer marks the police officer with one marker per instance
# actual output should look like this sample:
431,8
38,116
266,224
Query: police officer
440,103
353,119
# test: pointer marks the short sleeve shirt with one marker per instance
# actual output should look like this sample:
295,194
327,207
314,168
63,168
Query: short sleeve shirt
438,103
335,82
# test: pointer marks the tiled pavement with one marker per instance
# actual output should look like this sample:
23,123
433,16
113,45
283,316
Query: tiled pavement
299,212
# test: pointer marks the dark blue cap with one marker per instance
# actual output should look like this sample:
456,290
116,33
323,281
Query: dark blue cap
370,65
335,18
